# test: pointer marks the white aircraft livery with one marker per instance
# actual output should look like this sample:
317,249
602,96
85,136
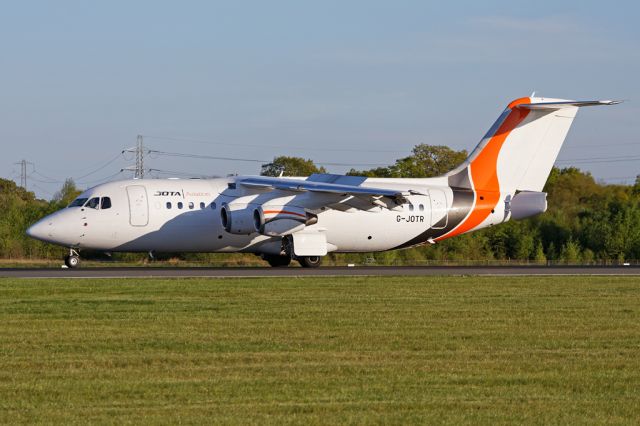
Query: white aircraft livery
303,219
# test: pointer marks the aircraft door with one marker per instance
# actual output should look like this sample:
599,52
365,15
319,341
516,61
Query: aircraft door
138,205
439,210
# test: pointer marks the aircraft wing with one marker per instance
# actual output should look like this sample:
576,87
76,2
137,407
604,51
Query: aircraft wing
321,183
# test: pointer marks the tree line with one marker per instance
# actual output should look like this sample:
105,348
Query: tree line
586,222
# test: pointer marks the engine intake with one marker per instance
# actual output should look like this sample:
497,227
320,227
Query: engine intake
237,218
278,220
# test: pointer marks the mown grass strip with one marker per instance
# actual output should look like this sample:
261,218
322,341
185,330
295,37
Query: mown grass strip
321,350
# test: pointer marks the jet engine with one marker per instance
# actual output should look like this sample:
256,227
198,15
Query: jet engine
277,220
527,204
237,218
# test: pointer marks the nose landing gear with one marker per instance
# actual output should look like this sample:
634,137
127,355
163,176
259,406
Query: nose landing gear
72,260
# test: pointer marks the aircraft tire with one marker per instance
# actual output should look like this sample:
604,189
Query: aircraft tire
278,261
310,261
72,261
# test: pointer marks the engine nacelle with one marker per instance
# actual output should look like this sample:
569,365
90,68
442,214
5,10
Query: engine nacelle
237,218
527,204
277,220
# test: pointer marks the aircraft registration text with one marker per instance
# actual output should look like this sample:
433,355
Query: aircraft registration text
410,219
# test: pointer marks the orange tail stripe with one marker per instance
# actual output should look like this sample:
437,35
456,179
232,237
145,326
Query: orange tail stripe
484,173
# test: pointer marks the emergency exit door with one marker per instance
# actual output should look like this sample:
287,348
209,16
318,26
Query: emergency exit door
138,205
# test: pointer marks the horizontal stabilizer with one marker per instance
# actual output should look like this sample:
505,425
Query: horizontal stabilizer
566,104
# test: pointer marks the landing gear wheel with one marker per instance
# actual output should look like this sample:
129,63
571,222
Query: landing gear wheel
310,261
278,261
72,261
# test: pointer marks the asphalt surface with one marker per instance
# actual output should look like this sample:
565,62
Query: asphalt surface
136,272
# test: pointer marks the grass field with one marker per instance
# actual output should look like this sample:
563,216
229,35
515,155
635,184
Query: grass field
489,350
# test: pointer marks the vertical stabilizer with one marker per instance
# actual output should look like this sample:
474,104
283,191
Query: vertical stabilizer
516,155
519,150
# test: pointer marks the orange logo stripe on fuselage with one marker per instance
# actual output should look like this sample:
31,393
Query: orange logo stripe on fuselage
283,212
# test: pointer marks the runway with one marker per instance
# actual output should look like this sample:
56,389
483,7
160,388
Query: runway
372,271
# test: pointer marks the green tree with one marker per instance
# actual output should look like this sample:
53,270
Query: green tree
382,172
67,193
429,161
570,252
290,166
425,161
539,256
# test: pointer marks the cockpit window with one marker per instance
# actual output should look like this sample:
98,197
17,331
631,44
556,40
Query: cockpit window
105,203
78,202
93,203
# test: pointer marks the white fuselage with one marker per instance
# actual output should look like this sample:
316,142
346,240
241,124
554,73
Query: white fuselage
183,215
309,217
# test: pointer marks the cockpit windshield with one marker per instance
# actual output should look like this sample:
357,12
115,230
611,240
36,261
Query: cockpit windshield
78,202
93,203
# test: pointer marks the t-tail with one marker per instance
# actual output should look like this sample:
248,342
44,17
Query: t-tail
506,172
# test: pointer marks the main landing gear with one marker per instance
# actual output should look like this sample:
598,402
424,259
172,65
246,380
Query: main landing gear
287,254
310,261
284,261
72,260
277,261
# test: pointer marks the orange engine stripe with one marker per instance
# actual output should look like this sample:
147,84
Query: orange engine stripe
283,211
484,173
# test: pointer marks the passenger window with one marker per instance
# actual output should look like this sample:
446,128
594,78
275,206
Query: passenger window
190,205
180,204
421,207
105,203
201,205
168,205
410,207
93,203
213,206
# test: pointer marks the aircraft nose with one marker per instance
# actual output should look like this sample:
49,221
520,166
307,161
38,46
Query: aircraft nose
41,230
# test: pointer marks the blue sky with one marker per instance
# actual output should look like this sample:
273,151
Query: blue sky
334,81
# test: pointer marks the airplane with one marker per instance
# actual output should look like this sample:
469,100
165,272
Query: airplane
303,218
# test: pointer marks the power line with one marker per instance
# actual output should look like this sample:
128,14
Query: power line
43,190
296,148
253,160
104,179
48,179
206,157
600,145
171,172
600,160
99,168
